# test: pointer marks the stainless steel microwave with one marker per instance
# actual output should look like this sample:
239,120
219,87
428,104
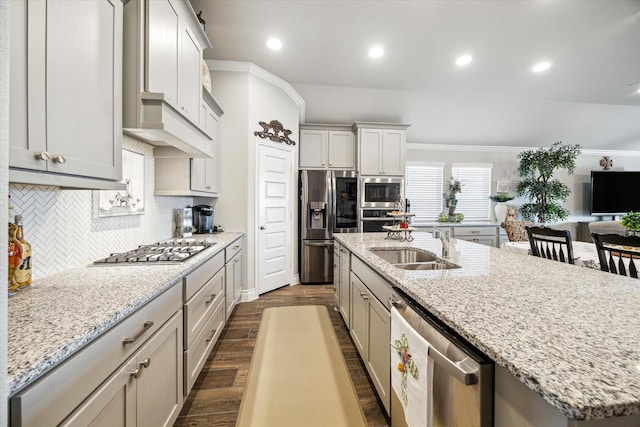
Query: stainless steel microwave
380,192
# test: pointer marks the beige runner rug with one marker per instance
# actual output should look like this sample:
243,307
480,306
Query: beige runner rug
298,376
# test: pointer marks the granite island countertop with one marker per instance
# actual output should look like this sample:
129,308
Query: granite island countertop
569,333
60,314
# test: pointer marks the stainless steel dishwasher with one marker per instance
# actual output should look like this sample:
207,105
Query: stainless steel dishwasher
462,390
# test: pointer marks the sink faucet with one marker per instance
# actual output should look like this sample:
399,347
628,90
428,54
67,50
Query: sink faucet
445,238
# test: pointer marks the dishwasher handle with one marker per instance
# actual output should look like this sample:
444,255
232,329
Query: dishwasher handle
318,244
463,374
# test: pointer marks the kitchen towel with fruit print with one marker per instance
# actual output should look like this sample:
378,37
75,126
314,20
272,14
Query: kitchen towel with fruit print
411,371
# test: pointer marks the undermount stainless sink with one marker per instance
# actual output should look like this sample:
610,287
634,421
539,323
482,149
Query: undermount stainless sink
413,259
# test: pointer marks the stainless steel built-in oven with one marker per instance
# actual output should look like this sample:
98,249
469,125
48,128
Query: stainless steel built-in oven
372,220
380,192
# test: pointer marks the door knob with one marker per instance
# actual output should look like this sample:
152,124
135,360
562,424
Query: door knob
262,227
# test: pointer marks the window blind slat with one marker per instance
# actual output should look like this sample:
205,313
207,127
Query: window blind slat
473,200
423,187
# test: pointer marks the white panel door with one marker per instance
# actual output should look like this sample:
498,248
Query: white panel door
274,218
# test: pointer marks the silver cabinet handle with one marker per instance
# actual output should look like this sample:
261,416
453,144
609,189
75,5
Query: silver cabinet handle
318,244
235,247
145,327
394,302
213,296
213,334
42,155
60,159
136,374
145,363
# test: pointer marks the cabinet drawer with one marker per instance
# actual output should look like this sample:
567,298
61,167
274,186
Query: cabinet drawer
59,392
197,278
196,355
489,241
231,250
376,284
200,307
462,232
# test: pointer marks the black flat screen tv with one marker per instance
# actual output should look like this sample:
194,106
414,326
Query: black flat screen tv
615,192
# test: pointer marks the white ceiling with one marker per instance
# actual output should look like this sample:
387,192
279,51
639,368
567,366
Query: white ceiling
589,96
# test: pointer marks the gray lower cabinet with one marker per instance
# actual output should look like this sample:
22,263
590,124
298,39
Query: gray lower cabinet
345,293
146,391
204,315
371,326
233,256
135,366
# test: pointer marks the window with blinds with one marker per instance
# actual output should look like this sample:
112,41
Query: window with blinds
423,188
473,200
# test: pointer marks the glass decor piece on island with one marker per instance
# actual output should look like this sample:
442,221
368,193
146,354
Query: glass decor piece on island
23,273
15,258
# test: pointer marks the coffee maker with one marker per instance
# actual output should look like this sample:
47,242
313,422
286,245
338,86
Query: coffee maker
203,219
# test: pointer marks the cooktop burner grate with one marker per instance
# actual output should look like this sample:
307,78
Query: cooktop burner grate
167,252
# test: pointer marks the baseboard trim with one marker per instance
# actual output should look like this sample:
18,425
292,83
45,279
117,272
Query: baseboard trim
249,295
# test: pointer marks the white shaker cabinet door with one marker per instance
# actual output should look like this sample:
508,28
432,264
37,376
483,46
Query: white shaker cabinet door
342,150
162,48
66,87
189,75
313,148
393,152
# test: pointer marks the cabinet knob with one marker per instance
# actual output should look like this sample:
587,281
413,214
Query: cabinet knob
42,155
60,159
262,227
136,373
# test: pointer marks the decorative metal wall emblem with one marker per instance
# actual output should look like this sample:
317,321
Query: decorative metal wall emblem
275,135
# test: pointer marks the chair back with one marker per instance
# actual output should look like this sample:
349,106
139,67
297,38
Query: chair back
618,254
551,244
516,230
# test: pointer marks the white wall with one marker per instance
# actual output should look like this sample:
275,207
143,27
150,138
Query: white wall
505,165
247,96
64,234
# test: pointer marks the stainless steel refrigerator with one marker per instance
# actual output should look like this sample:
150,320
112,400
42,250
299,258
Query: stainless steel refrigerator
328,204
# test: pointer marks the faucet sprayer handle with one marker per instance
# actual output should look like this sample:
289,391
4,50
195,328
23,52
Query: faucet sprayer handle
436,234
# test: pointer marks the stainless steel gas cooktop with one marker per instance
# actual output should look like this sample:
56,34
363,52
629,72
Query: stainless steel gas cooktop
167,252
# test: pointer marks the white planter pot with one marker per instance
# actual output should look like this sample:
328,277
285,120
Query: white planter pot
500,210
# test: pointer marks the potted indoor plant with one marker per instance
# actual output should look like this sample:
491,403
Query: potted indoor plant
537,183
500,209
632,222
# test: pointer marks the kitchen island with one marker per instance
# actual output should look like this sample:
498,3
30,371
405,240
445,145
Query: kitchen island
60,316
558,332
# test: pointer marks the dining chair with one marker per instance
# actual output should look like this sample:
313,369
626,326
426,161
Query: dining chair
516,231
551,244
618,254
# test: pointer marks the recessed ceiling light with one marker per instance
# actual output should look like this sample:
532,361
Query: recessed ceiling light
274,44
376,52
541,66
463,60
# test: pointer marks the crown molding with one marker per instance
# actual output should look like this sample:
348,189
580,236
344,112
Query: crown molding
261,73
513,149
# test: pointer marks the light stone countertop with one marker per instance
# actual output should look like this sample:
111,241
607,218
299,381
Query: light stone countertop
60,314
569,333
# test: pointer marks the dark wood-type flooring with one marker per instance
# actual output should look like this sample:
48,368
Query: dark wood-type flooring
215,397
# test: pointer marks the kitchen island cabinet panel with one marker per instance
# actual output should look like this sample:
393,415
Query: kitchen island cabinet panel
66,93
146,391
344,288
58,393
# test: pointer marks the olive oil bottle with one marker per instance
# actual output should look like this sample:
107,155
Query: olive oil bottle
15,258
23,273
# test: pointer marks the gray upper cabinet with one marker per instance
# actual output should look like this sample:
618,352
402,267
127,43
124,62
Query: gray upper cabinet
327,147
381,148
164,43
66,93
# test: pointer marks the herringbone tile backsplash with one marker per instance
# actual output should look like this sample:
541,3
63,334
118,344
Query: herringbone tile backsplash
63,233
